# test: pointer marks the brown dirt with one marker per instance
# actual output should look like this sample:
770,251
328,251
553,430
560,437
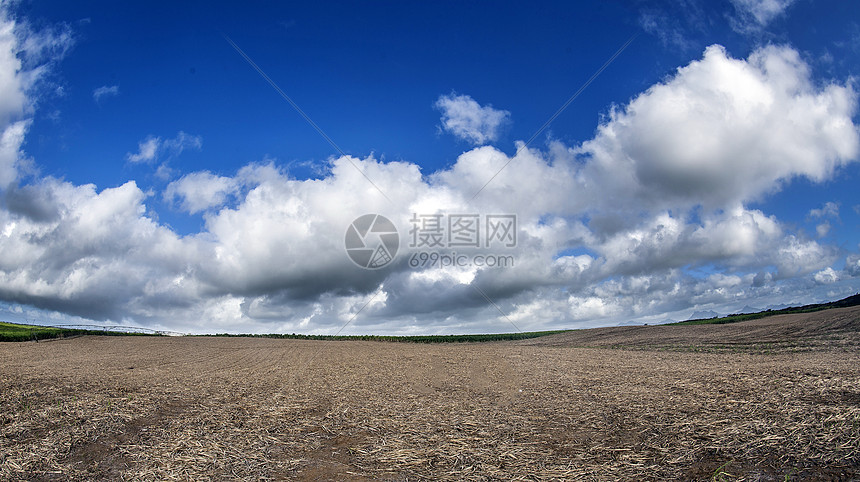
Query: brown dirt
678,406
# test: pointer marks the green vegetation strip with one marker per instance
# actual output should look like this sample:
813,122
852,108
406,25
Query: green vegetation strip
13,332
20,332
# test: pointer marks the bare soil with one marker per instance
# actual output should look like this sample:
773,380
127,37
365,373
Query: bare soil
770,399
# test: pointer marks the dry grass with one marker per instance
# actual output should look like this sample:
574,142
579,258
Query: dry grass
260,409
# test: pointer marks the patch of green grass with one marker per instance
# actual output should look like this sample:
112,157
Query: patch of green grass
721,475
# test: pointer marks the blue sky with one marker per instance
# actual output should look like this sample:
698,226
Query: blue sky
710,166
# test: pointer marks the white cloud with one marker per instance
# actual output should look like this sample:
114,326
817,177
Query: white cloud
468,120
200,191
655,23
723,131
181,142
13,98
99,245
146,150
105,91
165,172
41,49
25,57
11,140
153,148
852,265
829,210
762,10
758,13
826,276
677,26
795,257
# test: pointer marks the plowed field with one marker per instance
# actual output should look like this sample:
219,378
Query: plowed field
770,399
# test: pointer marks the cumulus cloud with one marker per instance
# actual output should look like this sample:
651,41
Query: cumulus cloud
723,131
25,57
468,120
13,98
153,148
11,140
648,218
200,191
826,276
85,248
105,91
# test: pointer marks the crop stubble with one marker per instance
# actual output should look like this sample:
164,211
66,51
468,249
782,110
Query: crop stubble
197,408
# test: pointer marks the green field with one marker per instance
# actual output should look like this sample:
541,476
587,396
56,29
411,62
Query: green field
15,332
21,332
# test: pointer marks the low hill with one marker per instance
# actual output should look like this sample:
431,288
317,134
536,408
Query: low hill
835,327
